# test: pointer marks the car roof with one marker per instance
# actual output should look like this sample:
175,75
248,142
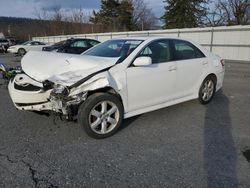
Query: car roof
146,38
81,39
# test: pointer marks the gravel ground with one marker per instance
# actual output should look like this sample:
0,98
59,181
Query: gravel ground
186,145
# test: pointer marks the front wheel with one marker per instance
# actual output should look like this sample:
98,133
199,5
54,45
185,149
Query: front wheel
21,52
207,90
101,115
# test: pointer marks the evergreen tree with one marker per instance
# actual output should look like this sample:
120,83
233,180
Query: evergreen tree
114,15
126,15
183,13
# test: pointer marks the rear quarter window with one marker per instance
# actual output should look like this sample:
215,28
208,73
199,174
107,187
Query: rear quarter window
93,43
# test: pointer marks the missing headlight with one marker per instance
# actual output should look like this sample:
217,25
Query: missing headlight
59,92
47,85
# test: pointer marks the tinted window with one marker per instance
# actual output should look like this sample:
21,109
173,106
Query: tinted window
60,43
25,43
79,44
35,43
159,51
3,40
93,42
114,48
186,50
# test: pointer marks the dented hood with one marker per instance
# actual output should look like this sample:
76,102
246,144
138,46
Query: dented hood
61,68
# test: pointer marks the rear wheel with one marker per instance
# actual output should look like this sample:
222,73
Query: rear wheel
207,90
101,115
21,51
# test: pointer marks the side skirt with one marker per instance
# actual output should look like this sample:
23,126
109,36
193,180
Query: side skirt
159,106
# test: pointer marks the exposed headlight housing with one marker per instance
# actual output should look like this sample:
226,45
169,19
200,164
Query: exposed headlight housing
59,91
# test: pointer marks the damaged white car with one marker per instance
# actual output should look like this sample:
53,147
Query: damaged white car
117,79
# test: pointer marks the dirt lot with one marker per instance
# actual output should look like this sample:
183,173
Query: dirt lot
186,145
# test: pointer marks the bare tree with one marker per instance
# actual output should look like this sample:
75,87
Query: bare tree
41,14
215,15
57,14
79,16
143,17
236,12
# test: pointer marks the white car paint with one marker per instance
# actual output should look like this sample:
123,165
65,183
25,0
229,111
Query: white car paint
62,68
141,88
28,46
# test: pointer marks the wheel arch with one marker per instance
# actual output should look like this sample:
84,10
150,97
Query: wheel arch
199,84
212,75
21,48
107,89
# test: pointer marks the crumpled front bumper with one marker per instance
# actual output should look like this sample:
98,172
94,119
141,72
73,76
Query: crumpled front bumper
28,94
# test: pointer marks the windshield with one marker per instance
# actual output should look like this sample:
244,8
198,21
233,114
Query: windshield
25,43
114,48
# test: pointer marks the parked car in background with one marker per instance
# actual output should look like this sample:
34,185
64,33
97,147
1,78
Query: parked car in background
72,46
4,45
117,79
12,41
23,48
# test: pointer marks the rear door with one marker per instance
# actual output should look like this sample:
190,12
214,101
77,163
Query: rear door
191,63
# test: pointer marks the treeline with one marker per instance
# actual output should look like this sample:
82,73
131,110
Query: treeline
25,28
129,15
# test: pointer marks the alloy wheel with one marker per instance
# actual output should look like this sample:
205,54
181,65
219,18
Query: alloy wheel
207,90
104,117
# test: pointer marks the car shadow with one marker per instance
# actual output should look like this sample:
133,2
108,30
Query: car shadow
220,156
127,122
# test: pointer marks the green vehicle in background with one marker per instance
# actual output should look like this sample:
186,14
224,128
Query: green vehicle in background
8,73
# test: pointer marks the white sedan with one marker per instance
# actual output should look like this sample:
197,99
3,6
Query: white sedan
117,79
22,49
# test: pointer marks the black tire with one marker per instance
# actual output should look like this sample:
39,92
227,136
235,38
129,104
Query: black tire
21,51
211,90
84,114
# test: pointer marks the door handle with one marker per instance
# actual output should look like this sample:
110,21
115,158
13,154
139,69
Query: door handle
204,63
172,68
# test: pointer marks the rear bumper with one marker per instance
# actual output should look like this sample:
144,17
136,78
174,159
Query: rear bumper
220,79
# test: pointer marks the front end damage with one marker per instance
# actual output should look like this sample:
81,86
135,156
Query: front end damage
47,96
63,103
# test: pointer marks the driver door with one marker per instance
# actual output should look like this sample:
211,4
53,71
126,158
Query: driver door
153,84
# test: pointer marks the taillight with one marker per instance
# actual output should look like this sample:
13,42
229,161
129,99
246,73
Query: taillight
222,61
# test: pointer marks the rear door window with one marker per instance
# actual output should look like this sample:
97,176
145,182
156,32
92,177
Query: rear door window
185,50
35,43
79,44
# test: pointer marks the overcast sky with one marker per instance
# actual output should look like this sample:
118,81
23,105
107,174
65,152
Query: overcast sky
25,8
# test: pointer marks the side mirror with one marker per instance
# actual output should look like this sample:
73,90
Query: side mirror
142,61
